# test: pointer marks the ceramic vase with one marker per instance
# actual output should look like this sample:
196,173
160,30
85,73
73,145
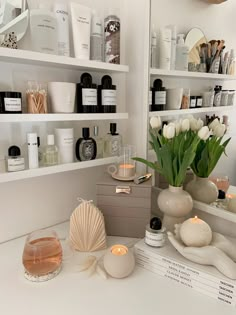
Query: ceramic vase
202,189
176,204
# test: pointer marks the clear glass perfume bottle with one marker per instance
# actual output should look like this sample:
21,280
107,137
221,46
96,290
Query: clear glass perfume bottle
86,147
40,155
50,155
113,142
99,141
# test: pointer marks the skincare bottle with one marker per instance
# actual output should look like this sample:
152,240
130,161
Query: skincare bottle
87,95
50,155
181,54
32,150
81,22
10,102
165,48
96,39
65,143
217,96
173,45
155,233
99,142
113,142
86,147
62,17
112,37
15,162
159,96
107,95
43,31
40,153
154,63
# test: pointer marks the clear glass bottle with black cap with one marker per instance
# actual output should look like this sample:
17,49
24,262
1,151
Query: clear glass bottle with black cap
107,95
113,142
158,96
99,141
155,234
87,95
86,147
15,162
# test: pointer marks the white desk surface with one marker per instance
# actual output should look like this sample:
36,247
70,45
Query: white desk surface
142,293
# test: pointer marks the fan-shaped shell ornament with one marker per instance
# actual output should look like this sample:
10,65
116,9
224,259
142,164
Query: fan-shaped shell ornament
87,228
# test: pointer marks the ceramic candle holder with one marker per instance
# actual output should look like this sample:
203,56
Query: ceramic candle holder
119,261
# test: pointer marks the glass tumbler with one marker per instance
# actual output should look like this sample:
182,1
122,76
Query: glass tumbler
42,255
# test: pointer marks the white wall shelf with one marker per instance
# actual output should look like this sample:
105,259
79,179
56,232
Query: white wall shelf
8,118
39,59
14,176
190,75
190,111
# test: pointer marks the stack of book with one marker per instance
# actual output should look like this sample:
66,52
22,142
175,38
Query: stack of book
167,262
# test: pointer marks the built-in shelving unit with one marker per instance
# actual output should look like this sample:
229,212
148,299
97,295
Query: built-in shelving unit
61,62
190,111
14,176
191,75
8,118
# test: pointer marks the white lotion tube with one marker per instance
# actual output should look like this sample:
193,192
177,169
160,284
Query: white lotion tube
33,150
165,48
81,22
173,29
62,17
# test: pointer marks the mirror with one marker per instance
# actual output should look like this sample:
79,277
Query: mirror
193,40
13,17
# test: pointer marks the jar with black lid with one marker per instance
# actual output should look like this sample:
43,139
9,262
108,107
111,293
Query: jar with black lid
10,102
158,96
107,95
87,95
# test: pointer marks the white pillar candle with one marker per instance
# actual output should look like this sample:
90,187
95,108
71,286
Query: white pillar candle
195,232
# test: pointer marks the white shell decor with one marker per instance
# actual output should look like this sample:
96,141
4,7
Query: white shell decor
87,228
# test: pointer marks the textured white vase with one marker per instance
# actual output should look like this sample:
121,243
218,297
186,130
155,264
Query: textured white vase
176,204
202,189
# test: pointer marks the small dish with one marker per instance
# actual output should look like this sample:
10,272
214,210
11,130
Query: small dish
124,179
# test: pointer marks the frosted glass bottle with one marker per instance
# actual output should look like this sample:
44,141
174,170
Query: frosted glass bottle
50,155
182,51
99,141
113,142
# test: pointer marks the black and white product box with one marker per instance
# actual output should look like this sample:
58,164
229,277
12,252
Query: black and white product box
168,263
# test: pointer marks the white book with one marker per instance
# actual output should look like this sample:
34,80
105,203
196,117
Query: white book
167,262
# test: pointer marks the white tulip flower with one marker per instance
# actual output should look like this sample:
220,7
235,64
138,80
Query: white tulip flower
177,127
185,125
190,117
204,133
219,130
193,124
155,122
214,123
169,131
200,123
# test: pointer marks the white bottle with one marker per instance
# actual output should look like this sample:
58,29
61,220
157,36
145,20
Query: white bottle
181,54
165,48
43,31
96,39
62,17
173,29
33,150
154,63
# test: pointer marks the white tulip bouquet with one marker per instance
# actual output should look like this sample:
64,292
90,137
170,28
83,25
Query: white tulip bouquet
184,143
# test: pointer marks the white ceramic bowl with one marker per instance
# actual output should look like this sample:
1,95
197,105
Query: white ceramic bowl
62,96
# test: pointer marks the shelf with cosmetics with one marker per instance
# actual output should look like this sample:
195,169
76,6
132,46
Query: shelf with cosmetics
60,62
60,168
190,75
8,118
190,111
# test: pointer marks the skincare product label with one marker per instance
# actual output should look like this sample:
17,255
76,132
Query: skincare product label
160,98
112,39
199,102
15,164
154,239
89,97
115,147
87,150
109,97
217,99
66,141
12,104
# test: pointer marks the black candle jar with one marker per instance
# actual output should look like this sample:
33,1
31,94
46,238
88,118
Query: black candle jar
10,103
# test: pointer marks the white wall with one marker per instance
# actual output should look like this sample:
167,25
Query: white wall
217,22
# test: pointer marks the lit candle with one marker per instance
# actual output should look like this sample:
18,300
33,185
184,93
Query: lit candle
119,250
195,232
126,170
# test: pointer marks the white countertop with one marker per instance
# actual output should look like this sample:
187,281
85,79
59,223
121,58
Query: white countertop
71,292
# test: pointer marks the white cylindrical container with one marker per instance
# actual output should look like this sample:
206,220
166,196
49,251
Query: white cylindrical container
112,37
96,39
165,48
33,150
65,144
62,17
173,29
43,31
62,96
